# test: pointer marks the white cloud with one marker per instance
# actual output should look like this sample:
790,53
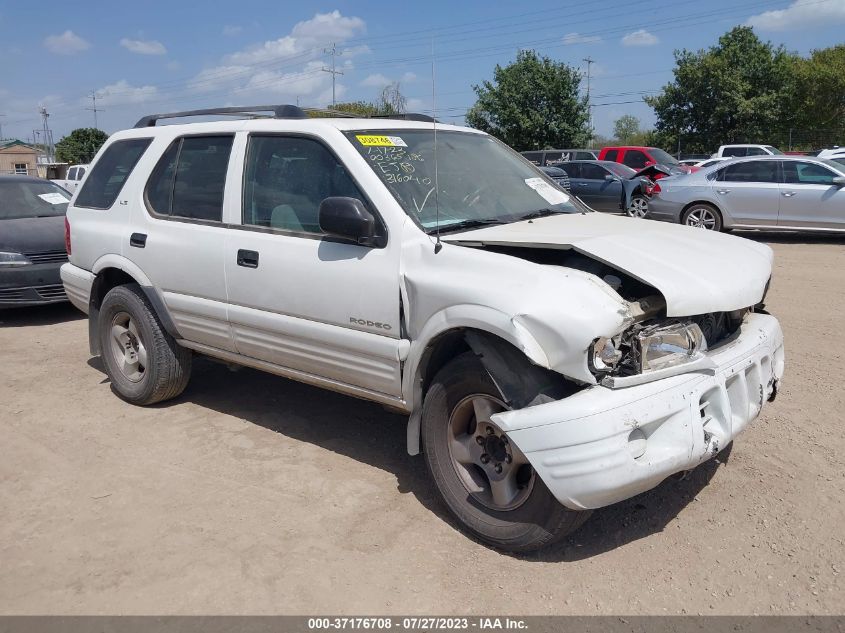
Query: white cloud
640,38
231,30
799,15
123,92
143,47
409,77
577,38
288,67
377,80
68,43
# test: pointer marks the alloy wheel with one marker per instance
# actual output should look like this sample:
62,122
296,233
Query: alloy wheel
702,218
127,349
638,208
493,471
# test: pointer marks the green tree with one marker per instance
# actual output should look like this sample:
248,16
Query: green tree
734,92
626,129
389,101
818,92
358,108
80,146
533,103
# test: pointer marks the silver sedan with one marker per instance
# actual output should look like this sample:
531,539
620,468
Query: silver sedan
794,193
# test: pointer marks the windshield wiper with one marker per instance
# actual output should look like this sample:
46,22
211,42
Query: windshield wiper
466,224
539,213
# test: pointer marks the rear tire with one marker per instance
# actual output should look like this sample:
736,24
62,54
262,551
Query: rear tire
144,363
703,216
457,435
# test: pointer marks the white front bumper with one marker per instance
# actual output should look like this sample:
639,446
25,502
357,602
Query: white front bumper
583,449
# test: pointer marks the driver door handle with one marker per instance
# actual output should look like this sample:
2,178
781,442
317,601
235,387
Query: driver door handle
247,259
788,194
723,192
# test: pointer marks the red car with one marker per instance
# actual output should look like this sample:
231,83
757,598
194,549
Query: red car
639,157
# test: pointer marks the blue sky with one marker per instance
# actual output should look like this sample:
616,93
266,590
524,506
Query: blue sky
165,56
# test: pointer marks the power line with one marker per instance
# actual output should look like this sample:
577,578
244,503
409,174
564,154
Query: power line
333,52
94,108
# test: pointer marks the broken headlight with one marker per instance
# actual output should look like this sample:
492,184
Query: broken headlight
604,356
662,346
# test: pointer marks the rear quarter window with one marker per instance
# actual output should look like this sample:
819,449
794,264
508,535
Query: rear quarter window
108,176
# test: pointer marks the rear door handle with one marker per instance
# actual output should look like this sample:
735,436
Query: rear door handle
788,194
138,240
247,259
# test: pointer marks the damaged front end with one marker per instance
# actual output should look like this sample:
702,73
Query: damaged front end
655,348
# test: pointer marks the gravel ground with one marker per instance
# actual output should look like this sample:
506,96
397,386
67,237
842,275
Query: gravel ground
253,494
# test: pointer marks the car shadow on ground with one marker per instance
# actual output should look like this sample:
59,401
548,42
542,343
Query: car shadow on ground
50,314
368,433
776,237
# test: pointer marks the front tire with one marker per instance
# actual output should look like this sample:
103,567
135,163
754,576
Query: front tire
144,363
485,480
703,216
638,207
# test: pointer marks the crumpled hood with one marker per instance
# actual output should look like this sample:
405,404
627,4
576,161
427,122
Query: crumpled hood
696,271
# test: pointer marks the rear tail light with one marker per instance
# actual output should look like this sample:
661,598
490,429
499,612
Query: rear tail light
67,237
653,189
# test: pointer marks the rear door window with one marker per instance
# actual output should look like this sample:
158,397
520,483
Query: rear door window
592,172
109,174
534,157
735,151
756,151
189,179
554,158
573,170
611,155
751,171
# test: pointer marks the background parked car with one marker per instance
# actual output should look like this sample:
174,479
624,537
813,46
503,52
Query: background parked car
638,157
553,157
771,192
710,161
836,152
608,186
741,150
32,241
560,177
74,177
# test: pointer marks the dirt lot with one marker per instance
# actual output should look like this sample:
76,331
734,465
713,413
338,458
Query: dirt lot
253,494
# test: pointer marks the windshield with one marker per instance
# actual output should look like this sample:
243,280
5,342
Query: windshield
31,199
481,181
836,163
773,150
623,171
662,157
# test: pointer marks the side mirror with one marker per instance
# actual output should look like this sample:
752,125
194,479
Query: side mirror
348,218
611,177
839,181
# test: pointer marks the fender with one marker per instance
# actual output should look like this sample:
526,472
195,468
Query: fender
468,316
132,270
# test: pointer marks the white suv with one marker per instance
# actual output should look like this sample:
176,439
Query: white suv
551,359
742,150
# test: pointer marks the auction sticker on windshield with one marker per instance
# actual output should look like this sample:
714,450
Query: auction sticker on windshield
549,193
380,141
53,198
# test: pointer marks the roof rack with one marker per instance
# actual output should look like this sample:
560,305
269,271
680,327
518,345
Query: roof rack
279,112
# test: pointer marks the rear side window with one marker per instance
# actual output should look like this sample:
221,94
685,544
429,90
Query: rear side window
189,179
110,173
534,157
584,156
751,171
756,151
735,151
592,172
573,170
553,158
611,155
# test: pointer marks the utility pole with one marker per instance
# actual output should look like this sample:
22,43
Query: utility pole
590,62
1,128
333,52
48,138
94,108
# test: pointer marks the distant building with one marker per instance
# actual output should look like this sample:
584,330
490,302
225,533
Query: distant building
17,157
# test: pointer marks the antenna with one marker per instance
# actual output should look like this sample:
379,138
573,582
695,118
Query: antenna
94,108
590,62
438,245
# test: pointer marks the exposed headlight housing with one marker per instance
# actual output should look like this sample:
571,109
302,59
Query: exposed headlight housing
663,346
9,259
604,356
